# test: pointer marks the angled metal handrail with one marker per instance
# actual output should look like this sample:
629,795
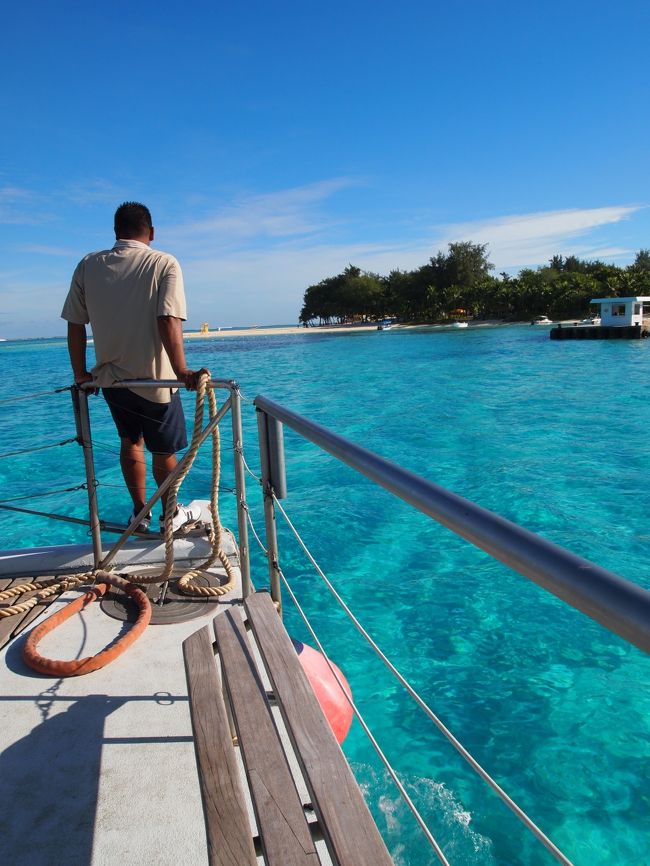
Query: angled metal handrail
618,604
227,384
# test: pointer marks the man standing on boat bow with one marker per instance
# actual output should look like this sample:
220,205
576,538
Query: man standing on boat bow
134,299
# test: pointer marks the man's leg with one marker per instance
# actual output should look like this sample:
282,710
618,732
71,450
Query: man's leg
163,464
134,470
184,515
128,421
164,436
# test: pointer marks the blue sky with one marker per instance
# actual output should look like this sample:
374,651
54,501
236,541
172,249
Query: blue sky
277,142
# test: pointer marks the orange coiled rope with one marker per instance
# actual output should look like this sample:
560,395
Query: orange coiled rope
77,667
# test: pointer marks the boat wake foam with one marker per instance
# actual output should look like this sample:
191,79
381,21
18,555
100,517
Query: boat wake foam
447,819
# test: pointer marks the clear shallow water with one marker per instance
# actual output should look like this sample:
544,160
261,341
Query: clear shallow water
551,435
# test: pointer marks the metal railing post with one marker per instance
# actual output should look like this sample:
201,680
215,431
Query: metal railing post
240,486
82,420
277,470
269,510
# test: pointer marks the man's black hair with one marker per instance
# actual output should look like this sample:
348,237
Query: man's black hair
132,220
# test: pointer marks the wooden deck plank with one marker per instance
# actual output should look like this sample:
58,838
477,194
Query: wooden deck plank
284,832
348,827
12,626
227,826
32,614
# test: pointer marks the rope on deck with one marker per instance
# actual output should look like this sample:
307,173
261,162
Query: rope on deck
102,579
45,589
78,667
185,582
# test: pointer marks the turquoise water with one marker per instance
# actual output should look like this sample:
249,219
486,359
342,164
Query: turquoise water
551,435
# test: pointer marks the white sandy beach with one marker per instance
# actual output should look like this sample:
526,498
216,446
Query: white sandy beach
265,332
324,329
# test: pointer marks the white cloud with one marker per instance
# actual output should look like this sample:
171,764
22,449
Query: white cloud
251,259
45,250
266,283
544,224
531,239
291,213
292,223
13,193
31,308
95,191
18,206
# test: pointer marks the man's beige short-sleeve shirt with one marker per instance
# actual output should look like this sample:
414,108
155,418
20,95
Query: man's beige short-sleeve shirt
122,292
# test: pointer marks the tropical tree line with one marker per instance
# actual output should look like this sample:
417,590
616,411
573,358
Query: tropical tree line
459,284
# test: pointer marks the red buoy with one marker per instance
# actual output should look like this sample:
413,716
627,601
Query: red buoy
331,697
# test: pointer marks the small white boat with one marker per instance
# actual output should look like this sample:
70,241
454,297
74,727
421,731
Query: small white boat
385,325
459,324
541,320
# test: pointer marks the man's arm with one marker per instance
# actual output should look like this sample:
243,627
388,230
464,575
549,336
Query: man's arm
171,334
77,350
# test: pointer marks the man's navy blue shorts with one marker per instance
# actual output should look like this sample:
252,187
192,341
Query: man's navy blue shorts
161,424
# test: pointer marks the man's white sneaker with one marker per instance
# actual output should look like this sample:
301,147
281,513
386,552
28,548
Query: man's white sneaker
145,523
185,516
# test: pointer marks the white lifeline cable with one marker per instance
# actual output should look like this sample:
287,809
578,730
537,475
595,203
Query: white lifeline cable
247,467
510,803
253,530
34,396
400,787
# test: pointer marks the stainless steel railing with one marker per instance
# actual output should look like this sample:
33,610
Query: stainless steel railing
621,606
232,404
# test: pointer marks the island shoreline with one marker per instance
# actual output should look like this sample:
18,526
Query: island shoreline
334,329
